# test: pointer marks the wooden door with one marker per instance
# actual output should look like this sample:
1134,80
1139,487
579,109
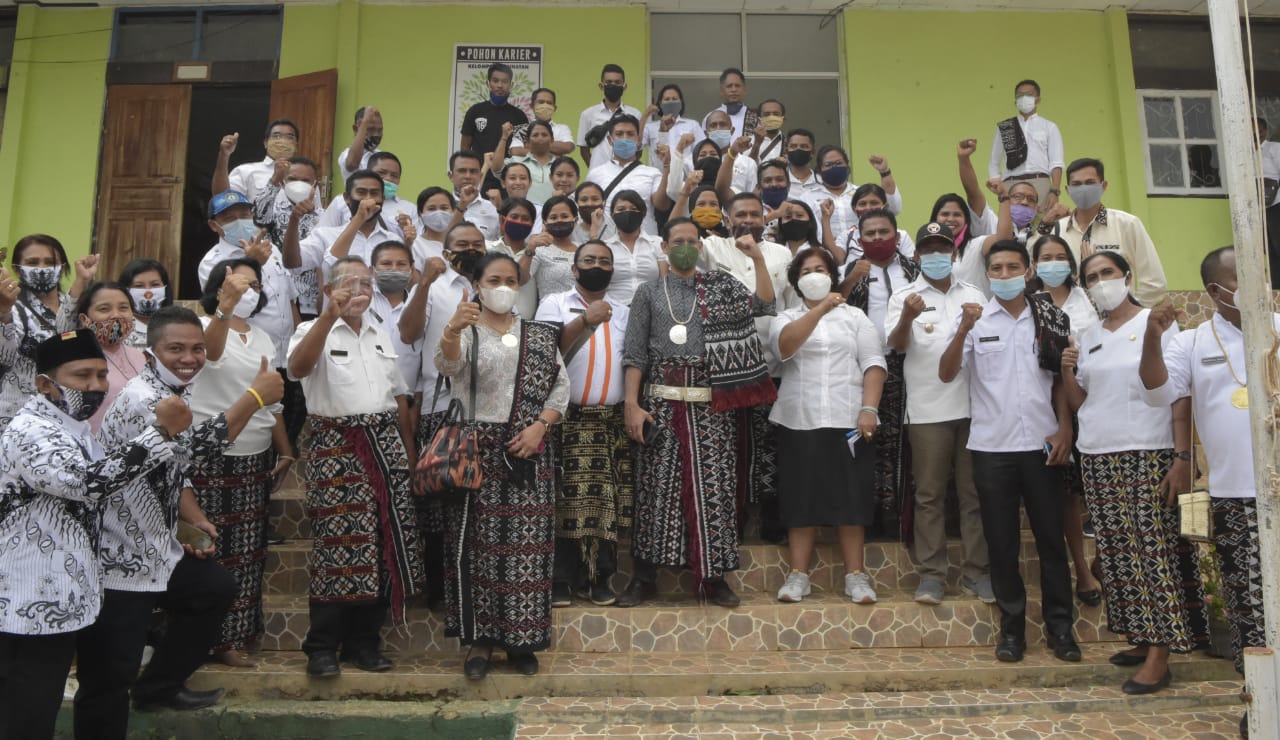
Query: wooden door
310,101
144,158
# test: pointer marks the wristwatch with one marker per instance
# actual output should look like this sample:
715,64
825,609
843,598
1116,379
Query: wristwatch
1055,191
1183,455
218,314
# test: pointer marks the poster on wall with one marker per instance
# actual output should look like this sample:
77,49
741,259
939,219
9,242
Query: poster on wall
470,83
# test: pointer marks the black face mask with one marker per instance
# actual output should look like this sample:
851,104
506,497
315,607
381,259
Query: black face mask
354,206
627,221
594,279
371,143
560,229
710,167
613,93
793,230
799,157
464,262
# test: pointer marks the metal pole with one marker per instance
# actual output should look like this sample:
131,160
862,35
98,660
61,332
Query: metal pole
1239,164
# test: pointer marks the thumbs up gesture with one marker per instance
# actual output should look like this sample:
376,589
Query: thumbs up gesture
468,313
1070,356
269,384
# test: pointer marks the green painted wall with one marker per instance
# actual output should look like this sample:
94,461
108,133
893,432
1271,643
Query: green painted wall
53,121
918,82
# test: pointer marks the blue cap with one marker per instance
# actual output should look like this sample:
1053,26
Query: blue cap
223,201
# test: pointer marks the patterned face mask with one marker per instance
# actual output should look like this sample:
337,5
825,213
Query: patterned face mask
79,405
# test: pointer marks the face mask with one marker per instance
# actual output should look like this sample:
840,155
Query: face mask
1231,293
708,217
498,300
585,213
671,107
146,301
835,176
240,230
710,167
799,157
613,93
961,233
1109,293
1085,196
814,286
297,191
498,99
1026,104
392,281
281,148
544,111
721,138
389,190
516,231
627,221
794,230
166,375
437,221
683,257
79,405
1053,274
354,207
39,280
371,143
771,123
247,305
110,332
733,109
464,262
773,197
879,251
1022,215
936,265
624,148
1009,288
595,279
561,229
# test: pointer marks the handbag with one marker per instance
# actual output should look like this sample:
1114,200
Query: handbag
1195,517
449,466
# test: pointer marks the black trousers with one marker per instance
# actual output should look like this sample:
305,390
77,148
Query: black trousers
110,651
1005,479
1272,219
354,628
295,408
33,673
570,569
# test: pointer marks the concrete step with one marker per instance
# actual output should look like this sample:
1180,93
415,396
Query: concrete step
824,621
696,673
763,568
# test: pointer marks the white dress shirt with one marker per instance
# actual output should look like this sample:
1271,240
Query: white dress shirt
653,137
592,117
771,147
251,178
338,213
442,303
721,253
1271,165
800,188
559,133
1114,417
1081,311
1120,231
822,382
275,318
843,219
630,268
364,162
972,268
387,318
315,249
643,179
595,372
355,374
484,216
222,382
1044,149
1010,396
527,296
929,400
881,283
424,249
1199,368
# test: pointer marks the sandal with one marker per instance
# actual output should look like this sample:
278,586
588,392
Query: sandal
1090,598
476,666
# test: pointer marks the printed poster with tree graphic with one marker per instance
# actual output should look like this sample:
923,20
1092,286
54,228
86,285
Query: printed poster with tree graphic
470,84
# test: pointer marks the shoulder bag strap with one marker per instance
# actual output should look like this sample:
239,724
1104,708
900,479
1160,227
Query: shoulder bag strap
475,358
620,177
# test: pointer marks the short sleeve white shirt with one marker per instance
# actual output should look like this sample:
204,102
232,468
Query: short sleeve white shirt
222,383
630,268
595,372
316,247
251,178
822,382
592,117
643,179
929,400
355,374
275,318
1114,417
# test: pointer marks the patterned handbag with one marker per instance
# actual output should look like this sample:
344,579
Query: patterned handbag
449,466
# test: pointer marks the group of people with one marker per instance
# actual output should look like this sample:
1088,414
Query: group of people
645,355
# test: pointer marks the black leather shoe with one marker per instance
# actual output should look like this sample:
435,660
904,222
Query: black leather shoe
1126,659
371,661
561,595
476,665
526,664
719,593
1093,597
602,595
323,665
636,593
1134,688
186,699
1064,647
1010,648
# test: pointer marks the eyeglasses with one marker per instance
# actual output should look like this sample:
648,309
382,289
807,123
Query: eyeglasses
602,261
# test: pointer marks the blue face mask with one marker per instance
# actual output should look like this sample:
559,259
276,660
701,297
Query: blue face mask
242,229
1006,289
935,266
1053,274
773,197
721,138
624,148
498,99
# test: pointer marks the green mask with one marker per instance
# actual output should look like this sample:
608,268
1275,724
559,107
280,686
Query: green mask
389,189
683,257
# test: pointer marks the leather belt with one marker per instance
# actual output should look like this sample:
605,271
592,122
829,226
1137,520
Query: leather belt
1036,176
679,393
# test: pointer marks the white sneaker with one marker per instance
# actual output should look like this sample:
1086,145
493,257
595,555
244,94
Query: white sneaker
857,586
796,587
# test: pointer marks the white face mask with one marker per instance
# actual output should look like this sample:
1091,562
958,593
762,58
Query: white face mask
1025,103
814,285
248,302
146,301
1109,293
297,191
498,300
437,221
167,376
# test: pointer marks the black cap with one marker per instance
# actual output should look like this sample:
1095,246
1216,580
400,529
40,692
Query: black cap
70,346
935,230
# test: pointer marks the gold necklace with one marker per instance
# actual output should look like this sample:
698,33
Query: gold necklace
1240,398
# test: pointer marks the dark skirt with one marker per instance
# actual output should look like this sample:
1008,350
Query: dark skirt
820,484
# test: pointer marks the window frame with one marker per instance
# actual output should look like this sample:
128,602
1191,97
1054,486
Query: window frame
1182,141
198,27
